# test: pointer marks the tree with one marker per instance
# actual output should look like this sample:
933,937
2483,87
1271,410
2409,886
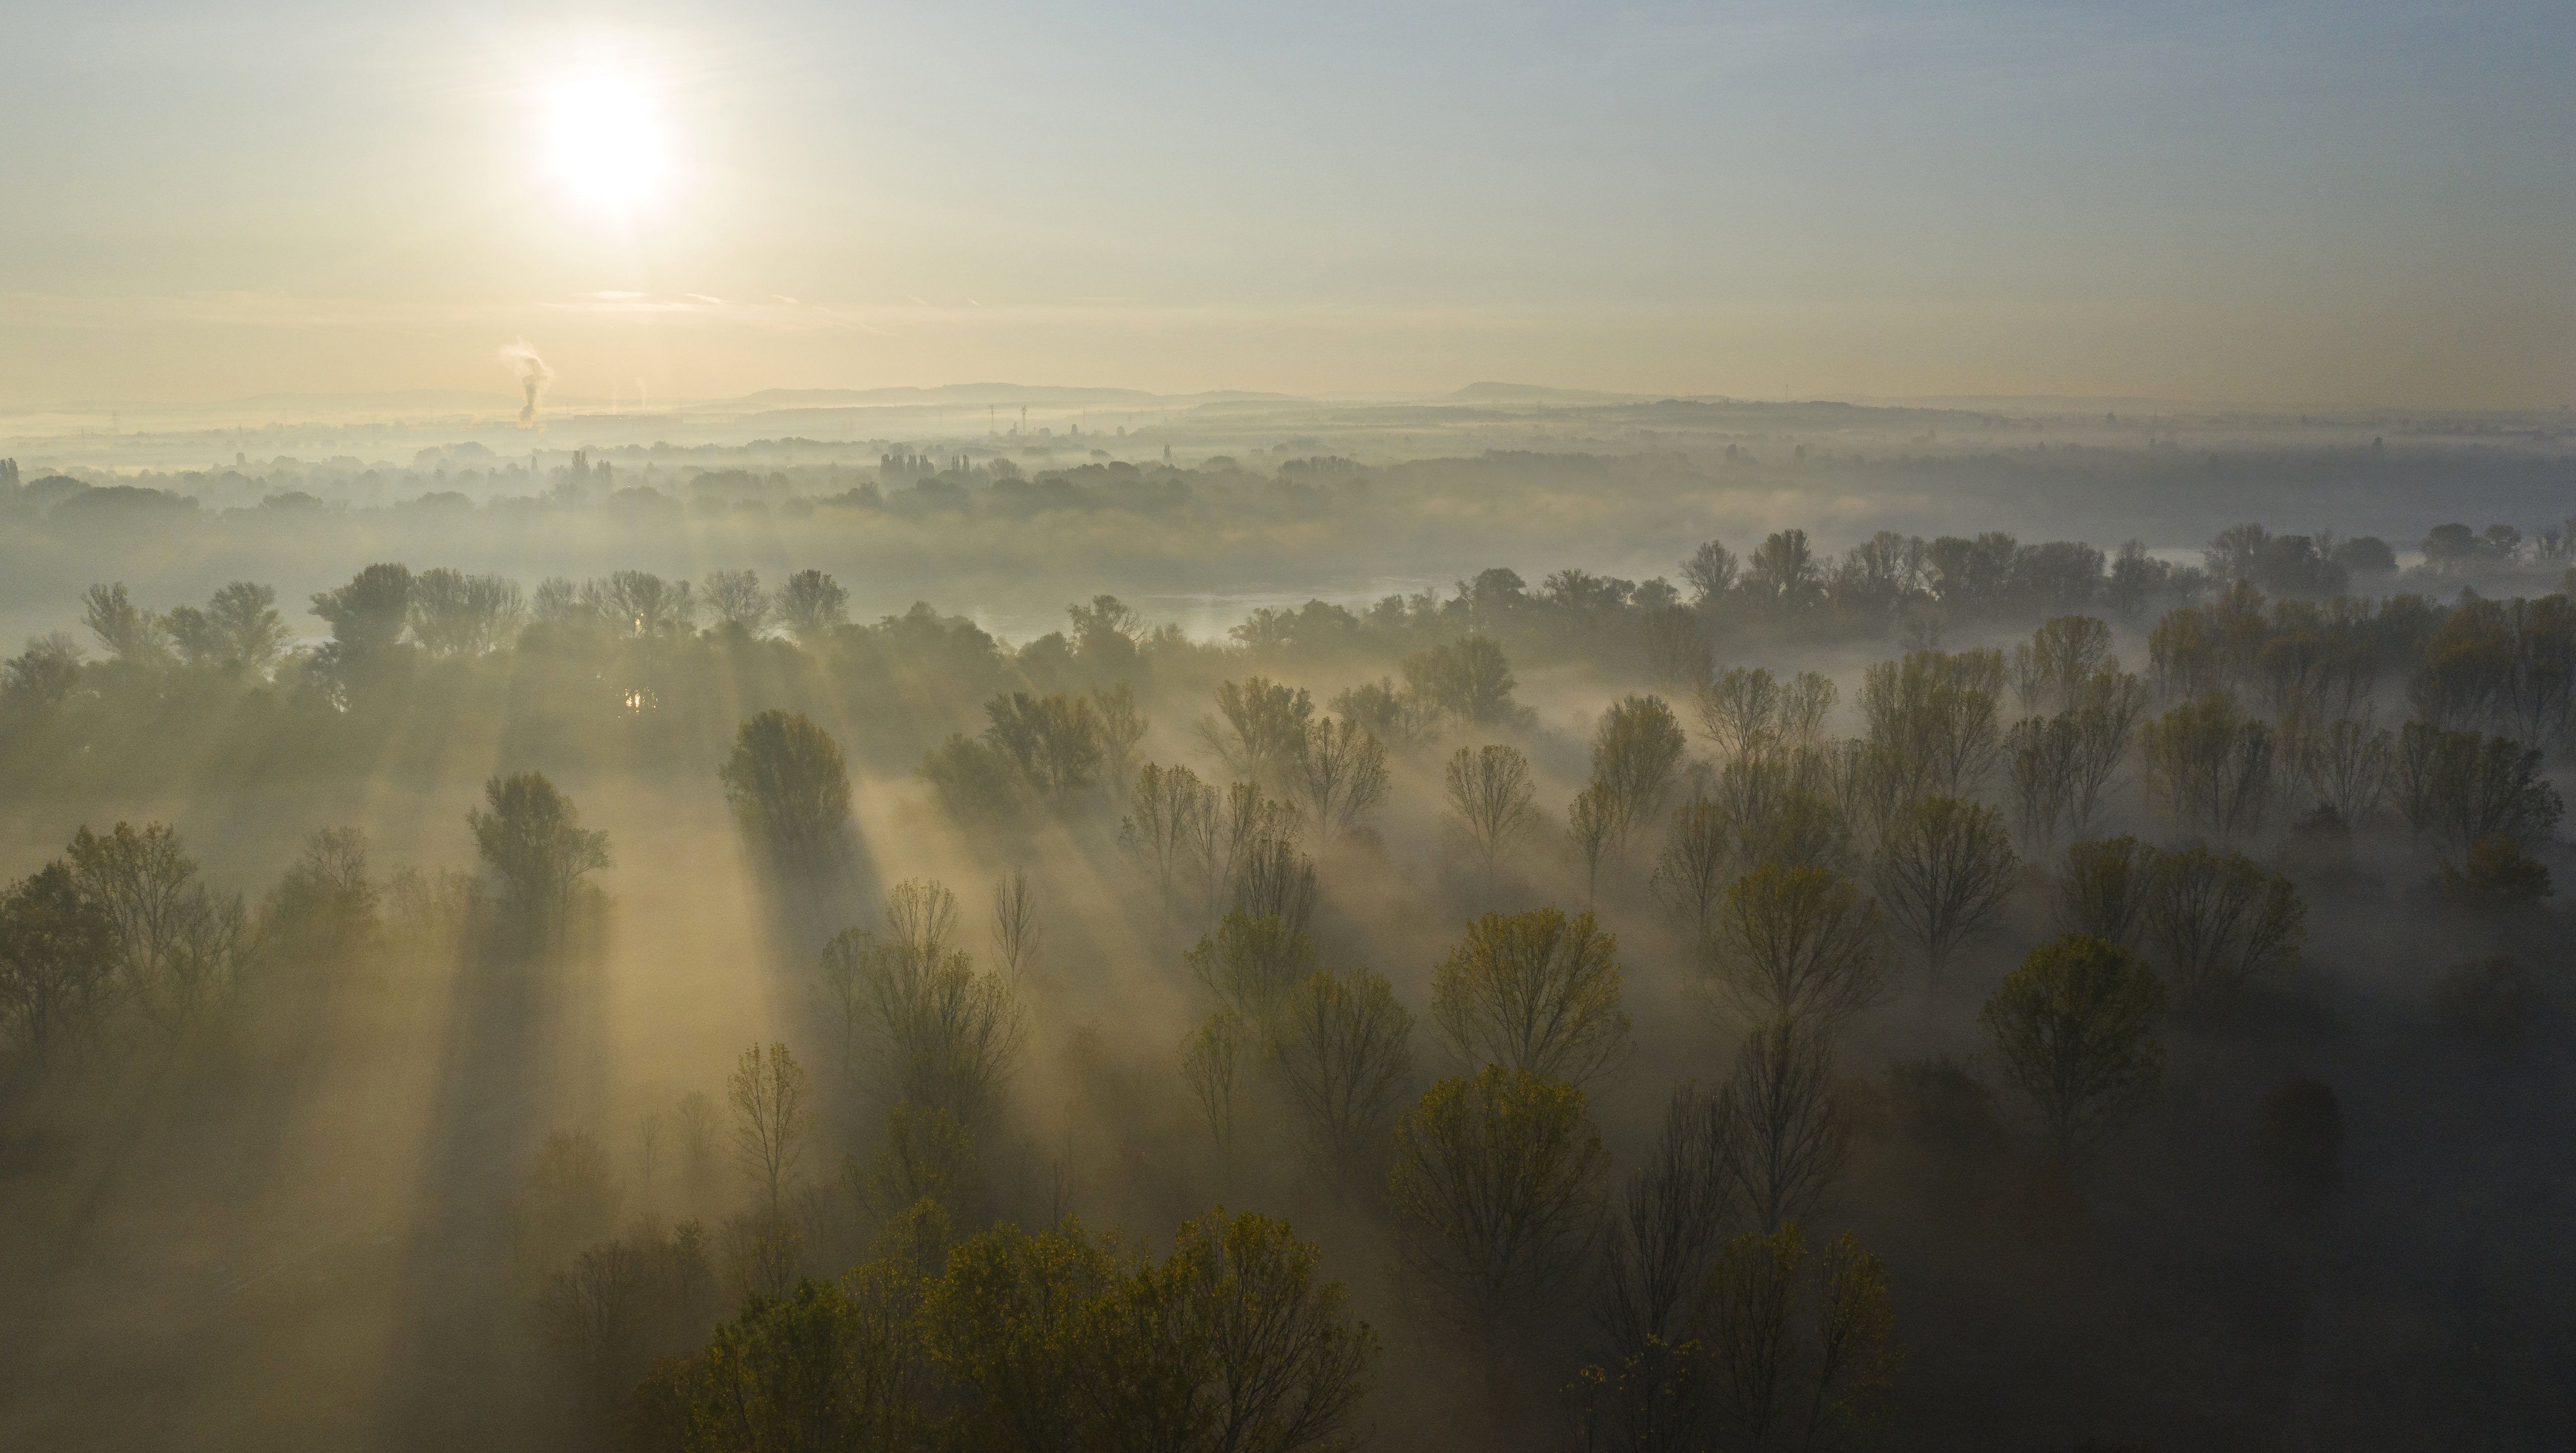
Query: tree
2074,1032
1748,713
2050,673
1021,1324
1798,1353
1635,753
2346,765
738,601
2105,889
1710,573
1161,824
1935,719
1251,964
367,615
2458,789
1467,680
57,957
1341,770
324,910
1274,880
1670,1223
1495,1181
1118,726
455,614
1592,829
1799,943
914,1013
1276,1361
1344,1048
1535,991
771,1118
1944,869
831,1365
1017,929
532,840
1259,731
2219,920
1212,1062
812,605
2210,768
1692,872
240,630
1785,1141
1053,740
45,675
1489,794
1237,825
130,634
142,879
1675,648
789,789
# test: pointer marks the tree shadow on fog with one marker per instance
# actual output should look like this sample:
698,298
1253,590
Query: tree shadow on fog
525,1047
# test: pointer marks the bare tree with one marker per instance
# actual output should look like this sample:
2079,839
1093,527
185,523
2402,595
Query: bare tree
1739,713
1496,1180
1161,828
1799,943
1344,1048
1806,699
1786,1142
1120,727
2049,674
2104,890
2219,920
738,601
1342,774
2041,757
1017,930
2210,768
1536,991
1490,792
1238,822
771,1118
2346,765
2456,789
1944,869
2074,1032
1276,881
1212,1062
914,1014
1592,830
1695,867
812,605
1935,716
1672,1219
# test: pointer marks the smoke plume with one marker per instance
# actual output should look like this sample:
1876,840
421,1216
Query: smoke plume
534,375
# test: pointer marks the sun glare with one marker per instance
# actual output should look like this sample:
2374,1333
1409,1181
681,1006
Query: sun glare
605,139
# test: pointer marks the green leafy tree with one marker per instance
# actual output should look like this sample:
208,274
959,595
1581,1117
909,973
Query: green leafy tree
57,961
789,789
531,839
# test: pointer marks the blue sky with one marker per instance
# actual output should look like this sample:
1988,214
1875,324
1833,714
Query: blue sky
2307,204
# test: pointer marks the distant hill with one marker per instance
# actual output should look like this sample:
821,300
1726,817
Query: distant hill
396,401
1531,393
968,394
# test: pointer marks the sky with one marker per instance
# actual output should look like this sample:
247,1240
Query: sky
2360,204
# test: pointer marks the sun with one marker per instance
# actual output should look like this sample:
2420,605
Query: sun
605,138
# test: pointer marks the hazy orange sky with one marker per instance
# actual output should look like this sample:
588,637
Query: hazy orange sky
2349,204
